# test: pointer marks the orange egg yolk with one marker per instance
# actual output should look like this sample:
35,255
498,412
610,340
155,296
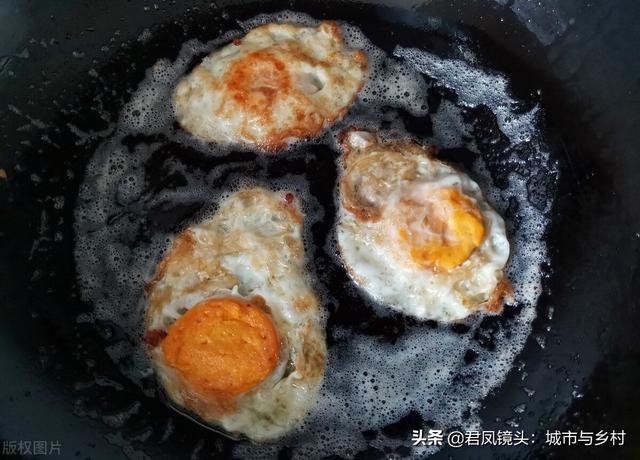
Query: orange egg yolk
442,231
223,346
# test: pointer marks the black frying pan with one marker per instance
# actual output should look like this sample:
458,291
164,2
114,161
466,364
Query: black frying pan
60,386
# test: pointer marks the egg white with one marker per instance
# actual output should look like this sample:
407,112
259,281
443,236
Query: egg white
317,80
387,273
250,248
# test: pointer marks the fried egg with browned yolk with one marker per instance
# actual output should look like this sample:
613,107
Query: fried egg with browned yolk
416,233
233,326
277,84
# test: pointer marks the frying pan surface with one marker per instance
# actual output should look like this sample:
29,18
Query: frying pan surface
579,366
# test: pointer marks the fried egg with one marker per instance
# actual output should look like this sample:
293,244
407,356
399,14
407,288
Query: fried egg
417,234
279,83
233,327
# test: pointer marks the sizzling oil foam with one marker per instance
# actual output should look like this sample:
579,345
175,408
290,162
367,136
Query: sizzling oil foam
121,234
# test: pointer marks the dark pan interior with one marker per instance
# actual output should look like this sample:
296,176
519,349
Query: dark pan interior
61,385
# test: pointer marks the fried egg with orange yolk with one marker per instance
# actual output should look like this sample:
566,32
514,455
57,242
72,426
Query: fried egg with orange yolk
277,84
417,234
233,326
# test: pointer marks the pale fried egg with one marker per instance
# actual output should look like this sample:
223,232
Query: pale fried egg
233,326
417,234
279,83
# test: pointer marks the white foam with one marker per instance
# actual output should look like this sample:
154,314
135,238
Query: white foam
369,383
